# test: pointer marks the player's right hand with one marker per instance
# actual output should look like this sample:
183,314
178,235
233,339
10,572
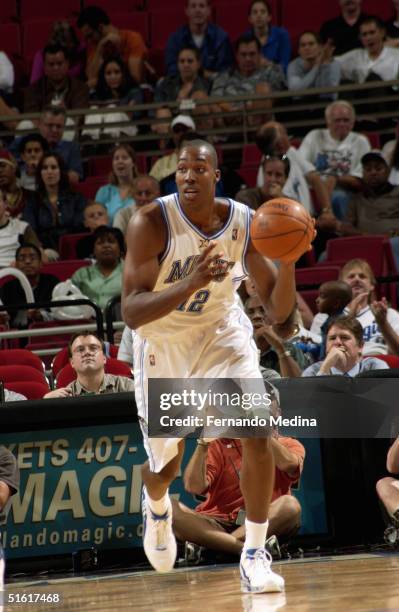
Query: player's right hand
208,268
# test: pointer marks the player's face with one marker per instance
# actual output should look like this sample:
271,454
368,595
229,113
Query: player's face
248,58
340,122
343,338
259,16
375,173
196,176
87,355
372,37
358,281
308,47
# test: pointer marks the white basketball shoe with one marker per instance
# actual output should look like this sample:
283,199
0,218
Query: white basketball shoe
158,538
256,573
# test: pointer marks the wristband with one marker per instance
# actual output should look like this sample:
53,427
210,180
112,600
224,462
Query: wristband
285,353
201,442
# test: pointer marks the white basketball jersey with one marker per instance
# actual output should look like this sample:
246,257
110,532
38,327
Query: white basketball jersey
185,243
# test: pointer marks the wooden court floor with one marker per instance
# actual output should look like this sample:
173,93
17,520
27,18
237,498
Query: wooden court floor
359,582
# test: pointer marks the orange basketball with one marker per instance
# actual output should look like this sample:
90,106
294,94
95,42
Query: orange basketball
282,228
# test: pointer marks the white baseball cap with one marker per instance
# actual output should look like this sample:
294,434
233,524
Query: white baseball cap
183,120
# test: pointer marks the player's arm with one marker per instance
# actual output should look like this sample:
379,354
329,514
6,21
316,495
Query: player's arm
276,289
194,477
393,458
146,239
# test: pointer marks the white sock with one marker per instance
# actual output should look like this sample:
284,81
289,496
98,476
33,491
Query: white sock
255,534
158,506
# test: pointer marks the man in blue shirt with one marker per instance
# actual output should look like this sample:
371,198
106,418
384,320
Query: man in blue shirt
213,42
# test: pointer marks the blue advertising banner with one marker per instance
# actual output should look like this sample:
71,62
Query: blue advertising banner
81,487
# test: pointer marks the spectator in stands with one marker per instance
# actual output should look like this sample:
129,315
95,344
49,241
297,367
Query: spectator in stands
392,26
6,75
119,191
145,190
272,139
95,215
166,165
275,41
187,81
87,357
213,470
64,35
380,323
248,77
375,61
13,193
315,67
333,297
344,354
115,87
31,148
56,87
343,31
13,232
336,153
103,280
390,152
212,42
29,261
388,487
104,40
54,210
275,174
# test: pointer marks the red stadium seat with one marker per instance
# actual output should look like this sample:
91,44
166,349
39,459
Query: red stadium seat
249,174
62,358
35,34
12,373
164,22
31,389
90,186
31,9
110,6
100,166
21,357
383,10
10,36
391,360
313,15
67,245
64,269
113,366
8,11
312,276
251,155
371,248
232,17
374,139
133,20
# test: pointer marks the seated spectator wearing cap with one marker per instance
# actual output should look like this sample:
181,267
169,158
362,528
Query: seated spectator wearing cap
145,190
275,41
14,194
249,77
119,191
218,522
103,280
87,357
212,42
166,165
28,259
275,175
336,153
344,348
54,209
115,87
13,232
103,40
32,147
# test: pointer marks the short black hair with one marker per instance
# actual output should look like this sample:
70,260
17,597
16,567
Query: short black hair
84,333
92,16
265,4
28,245
51,109
34,137
246,39
105,230
198,144
373,19
53,48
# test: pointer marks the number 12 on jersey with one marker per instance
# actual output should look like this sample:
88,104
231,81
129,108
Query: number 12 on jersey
197,304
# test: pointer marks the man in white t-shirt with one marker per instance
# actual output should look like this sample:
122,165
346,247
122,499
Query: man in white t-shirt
380,323
336,153
375,58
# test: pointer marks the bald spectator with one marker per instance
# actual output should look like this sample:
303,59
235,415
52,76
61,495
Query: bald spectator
145,190
336,153
343,31
87,357
212,42
104,40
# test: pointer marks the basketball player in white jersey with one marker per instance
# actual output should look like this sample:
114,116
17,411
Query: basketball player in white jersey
186,255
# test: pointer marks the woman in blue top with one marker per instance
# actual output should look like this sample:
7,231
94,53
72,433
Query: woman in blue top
275,41
119,192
